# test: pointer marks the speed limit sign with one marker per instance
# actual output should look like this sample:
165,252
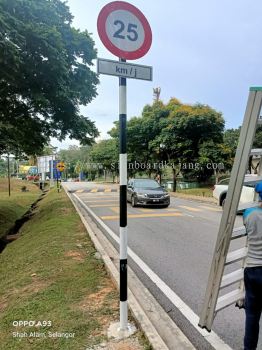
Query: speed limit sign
124,30
126,33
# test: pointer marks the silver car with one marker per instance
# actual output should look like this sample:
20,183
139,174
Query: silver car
147,192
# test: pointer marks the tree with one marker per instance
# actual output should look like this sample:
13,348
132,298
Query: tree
44,75
104,154
75,158
231,137
179,134
3,168
213,159
141,132
188,128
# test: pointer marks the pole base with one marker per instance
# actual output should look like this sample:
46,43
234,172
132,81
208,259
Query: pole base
114,331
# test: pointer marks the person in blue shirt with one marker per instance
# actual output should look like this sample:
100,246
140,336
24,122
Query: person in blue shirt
252,218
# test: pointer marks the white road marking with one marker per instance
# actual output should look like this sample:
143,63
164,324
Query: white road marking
212,338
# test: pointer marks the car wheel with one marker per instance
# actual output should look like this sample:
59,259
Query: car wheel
223,203
133,201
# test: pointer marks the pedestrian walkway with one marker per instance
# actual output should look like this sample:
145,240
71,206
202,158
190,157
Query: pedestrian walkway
94,190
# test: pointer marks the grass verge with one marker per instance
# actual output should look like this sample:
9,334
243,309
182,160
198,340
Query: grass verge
202,192
51,274
13,207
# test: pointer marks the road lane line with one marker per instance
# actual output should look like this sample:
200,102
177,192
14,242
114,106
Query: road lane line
80,191
210,208
146,210
102,200
172,209
211,337
100,205
94,190
97,197
137,216
189,208
157,210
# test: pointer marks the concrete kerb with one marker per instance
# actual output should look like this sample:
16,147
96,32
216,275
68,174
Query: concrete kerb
192,197
158,327
138,313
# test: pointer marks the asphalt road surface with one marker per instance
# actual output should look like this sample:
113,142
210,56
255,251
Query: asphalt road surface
177,243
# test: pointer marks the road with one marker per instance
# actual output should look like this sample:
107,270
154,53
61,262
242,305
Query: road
177,243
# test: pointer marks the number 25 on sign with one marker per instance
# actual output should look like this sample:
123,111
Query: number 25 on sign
124,30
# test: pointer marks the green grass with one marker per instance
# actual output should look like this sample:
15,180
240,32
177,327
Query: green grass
50,273
202,192
13,207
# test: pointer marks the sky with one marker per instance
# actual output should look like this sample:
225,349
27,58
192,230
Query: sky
206,51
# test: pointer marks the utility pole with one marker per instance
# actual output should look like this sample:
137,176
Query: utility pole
156,94
8,174
17,168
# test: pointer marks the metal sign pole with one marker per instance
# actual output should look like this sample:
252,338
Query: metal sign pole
123,203
8,172
132,46
52,173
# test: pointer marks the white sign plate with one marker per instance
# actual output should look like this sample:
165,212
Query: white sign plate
124,70
43,163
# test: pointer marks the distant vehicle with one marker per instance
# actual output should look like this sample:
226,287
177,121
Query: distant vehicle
247,194
146,192
32,177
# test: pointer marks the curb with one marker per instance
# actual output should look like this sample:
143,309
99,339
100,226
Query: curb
159,328
195,198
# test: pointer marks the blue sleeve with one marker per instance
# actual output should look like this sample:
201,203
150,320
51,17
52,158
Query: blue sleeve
247,212
258,187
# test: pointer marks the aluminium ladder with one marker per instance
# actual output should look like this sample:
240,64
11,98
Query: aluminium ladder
217,280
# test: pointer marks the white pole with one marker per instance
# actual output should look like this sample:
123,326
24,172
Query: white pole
123,203
52,173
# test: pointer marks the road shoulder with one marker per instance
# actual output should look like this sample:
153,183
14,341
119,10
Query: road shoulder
158,327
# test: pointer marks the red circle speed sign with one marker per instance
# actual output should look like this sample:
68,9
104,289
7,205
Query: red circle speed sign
124,30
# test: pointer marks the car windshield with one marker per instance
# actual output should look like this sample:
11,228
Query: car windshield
146,184
224,182
252,184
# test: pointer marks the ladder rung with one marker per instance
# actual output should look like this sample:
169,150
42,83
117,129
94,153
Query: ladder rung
232,278
247,205
256,152
229,298
252,179
239,232
236,255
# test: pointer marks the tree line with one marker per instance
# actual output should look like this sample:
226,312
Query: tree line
188,140
45,75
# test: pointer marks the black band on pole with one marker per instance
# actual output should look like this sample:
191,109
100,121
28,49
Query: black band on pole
123,202
123,206
122,133
122,81
123,279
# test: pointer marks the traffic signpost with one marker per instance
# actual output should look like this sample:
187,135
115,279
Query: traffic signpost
123,69
60,167
126,33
